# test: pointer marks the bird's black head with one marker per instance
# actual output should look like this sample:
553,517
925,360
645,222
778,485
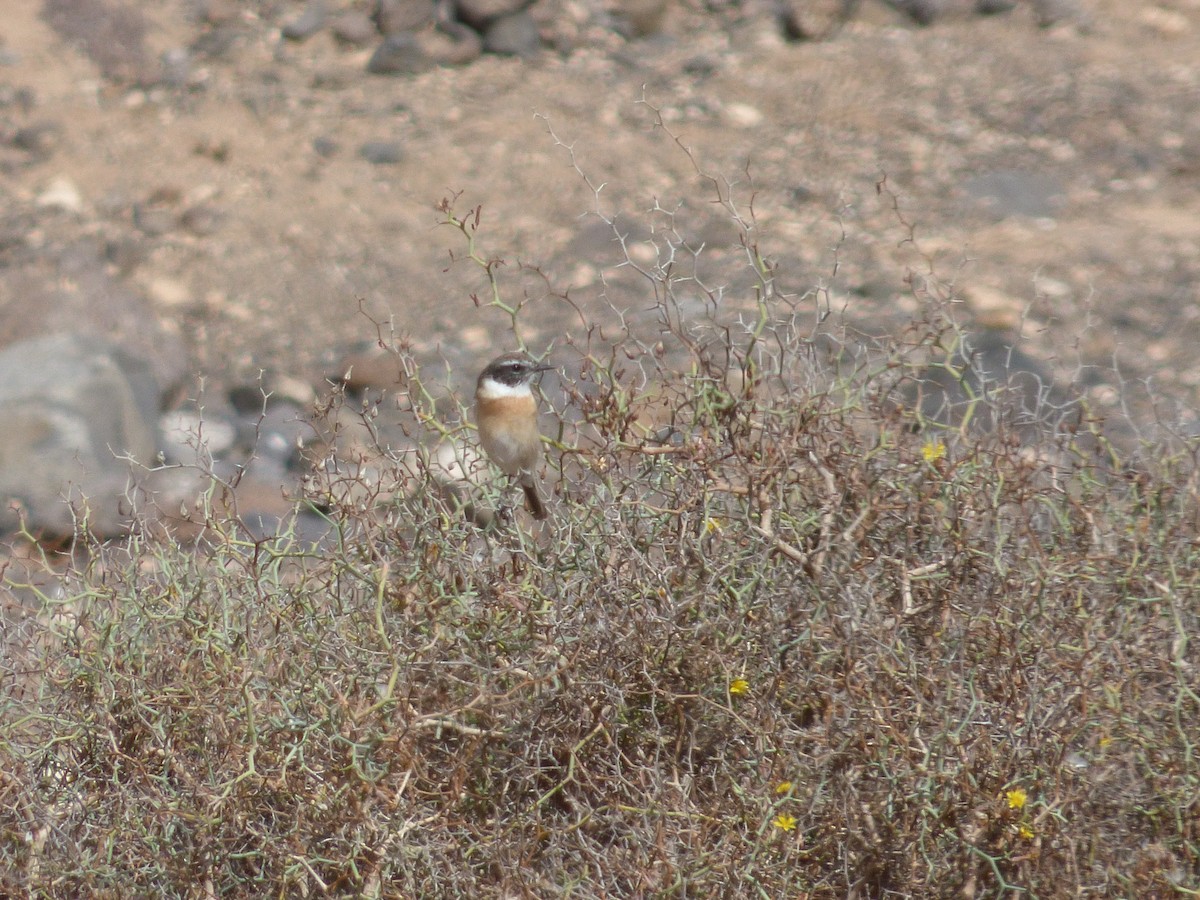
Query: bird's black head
513,369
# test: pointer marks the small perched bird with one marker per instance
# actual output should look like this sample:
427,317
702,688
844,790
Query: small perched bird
507,415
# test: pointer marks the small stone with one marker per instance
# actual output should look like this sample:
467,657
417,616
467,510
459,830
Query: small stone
481,13
923,12
811,20
382,153
218,42
61,193
218,12
399,54
187,434
452,44
202,220
36,140
513,35
1052,288
371,369
1051,12
325,147
642,18
354,28
1166,22
126,254
153,219
994,308
309,23
169,293
701,66
392,16
743,115
177,68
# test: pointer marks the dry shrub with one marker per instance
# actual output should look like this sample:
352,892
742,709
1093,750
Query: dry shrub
790,633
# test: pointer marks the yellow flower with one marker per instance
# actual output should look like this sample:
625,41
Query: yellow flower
933,451
783,787
1016,798
1026,832
712,524
739,686
784,822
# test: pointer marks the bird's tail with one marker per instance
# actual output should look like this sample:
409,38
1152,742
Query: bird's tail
534,499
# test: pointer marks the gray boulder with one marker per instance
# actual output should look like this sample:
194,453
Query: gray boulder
74,410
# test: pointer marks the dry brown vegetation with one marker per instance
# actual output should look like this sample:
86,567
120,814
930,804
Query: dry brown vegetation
788,634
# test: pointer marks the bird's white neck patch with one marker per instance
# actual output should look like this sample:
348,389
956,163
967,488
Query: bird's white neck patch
491,389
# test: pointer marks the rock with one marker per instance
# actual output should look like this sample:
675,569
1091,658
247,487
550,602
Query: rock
812,20
923,12
642,18
269,390
367,369
275,437
310,22
382,153
324,146
202,219
75,411
73,287
169,293
39,140
218,42
218,12
742,115
399,54
61,193
354,28
191,437
479,14
394,16
158,213
112,35
513,35
452,44
1052,12
1017,192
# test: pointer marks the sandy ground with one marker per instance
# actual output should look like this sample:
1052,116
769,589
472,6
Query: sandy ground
1052,178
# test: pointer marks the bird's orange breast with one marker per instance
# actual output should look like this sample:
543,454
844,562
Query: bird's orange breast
508,430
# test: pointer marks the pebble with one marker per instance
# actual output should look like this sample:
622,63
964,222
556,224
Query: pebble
382,153
169,293
452,44
1166,22
354,28
325,147
189,434
202,220
37,140
481,13
61,193
395,16
513,35
743,115
309,23
399,54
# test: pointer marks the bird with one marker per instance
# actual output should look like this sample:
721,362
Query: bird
506,413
